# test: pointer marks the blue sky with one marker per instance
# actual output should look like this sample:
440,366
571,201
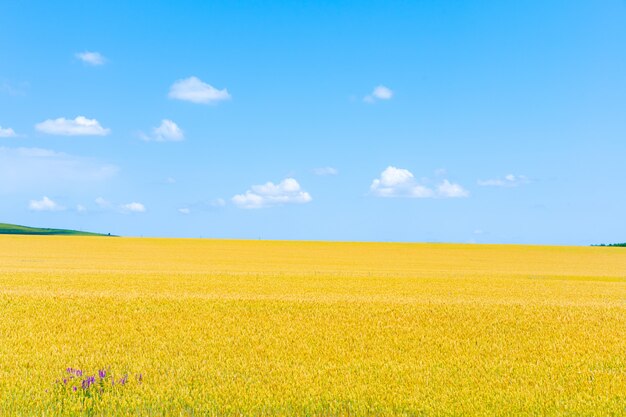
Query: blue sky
477,121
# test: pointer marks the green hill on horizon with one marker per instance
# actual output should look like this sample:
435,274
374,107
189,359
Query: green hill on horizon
14,229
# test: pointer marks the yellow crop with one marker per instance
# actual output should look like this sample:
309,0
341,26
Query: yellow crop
216,327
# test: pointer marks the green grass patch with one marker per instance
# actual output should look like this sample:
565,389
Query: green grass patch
14,229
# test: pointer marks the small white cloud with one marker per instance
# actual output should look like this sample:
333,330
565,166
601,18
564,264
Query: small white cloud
399,182
184,210
325,171
170,180
102,203
45,204
379,93
80,126
195,90
382,93
509,180
288,191
392,177
449,190
91,58
134,207
421,191
167,131
7,132
80,208
218,202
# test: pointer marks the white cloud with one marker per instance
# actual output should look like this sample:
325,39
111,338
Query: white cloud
91,58
323,171
42,170
102,203
399,182
393,176
167,131
134,207
45,204
80,126
382,93
288,191
379,93
509,180
80,208
170,180
7,132
195,90
184,210
218,202
449,190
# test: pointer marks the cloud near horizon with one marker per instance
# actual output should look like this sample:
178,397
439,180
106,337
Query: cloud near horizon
80,126
398,182
288,191
196,91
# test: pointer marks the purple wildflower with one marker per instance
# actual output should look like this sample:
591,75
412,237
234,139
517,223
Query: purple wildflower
102,373
124,379
64,381
89,381
79,372
74,388
70,370
140,377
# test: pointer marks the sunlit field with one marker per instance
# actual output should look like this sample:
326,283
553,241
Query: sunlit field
217,327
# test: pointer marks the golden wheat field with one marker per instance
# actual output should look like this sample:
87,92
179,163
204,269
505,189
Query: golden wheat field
254,328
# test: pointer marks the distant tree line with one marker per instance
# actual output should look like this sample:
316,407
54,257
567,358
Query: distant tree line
617,245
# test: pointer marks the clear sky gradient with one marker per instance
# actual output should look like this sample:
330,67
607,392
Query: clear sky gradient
441,121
